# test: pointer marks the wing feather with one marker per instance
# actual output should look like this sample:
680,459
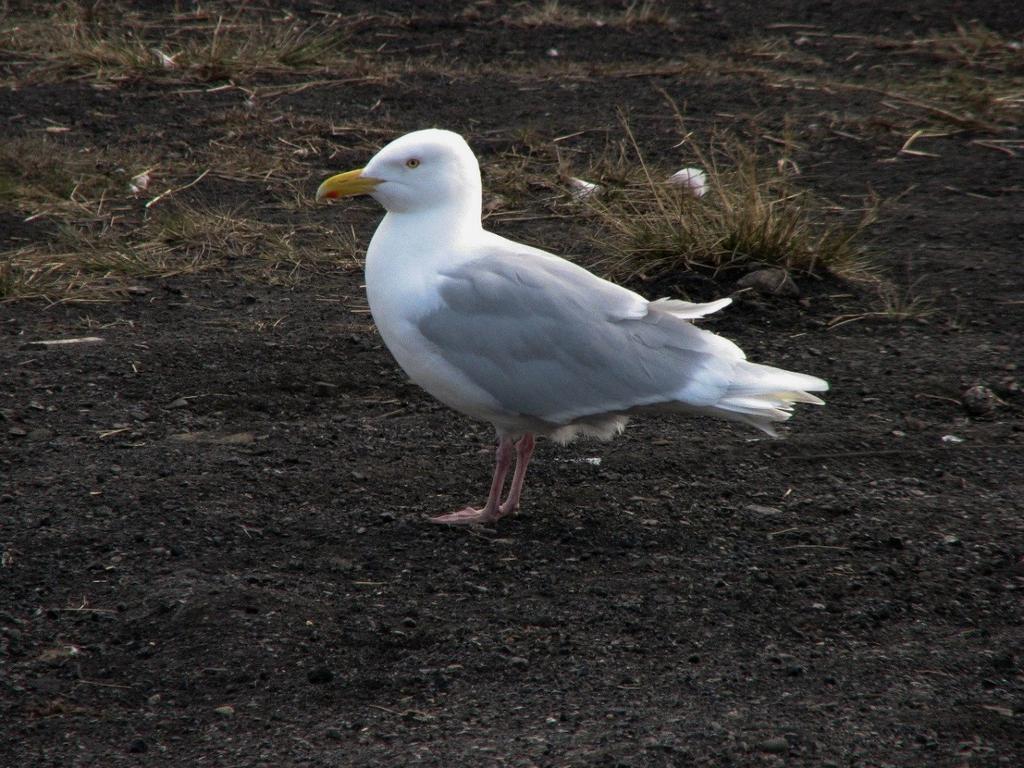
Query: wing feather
550,340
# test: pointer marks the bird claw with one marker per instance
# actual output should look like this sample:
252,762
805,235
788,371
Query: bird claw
467,516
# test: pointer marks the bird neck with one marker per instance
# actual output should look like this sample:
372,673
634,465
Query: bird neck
449,223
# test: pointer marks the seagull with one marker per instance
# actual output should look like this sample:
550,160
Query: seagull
528,341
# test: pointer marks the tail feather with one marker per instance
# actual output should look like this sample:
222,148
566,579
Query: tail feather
762,395
687,310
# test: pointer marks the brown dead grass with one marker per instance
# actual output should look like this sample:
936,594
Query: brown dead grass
183,238
98,233
971,45
753,214
554,13
211,43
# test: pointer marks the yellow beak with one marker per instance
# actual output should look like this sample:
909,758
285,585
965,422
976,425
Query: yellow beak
346,185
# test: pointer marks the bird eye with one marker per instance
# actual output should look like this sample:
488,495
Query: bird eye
412,162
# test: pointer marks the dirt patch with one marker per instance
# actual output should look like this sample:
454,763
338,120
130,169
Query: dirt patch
212,522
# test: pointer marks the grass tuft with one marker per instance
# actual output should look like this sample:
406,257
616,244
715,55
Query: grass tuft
80,228
82,262
91,39
752,215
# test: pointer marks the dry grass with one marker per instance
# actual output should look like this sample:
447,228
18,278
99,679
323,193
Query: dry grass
894,302
40,174
970,45
91,234
969,100
554,13
970,77
778,51
102,41
183,238
753,214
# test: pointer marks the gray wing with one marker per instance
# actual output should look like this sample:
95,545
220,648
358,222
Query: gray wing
550,340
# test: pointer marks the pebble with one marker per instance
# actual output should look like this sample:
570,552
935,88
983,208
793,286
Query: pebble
772,281
776,745
227,710
979,400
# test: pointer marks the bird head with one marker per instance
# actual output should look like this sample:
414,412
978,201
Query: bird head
420,171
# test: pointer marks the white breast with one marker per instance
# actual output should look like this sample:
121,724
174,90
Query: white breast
401,287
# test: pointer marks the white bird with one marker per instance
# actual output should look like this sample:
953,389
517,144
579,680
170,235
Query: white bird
530,342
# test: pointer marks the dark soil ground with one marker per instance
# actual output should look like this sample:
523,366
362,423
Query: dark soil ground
213,522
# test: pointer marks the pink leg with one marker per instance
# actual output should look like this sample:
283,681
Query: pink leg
492,510
524,451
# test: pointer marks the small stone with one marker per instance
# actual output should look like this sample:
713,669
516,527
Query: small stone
761,509
915,424
17,432
494,203
320,676
979,400
776,745
137,746
227,710
181,402
518,661
771,281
